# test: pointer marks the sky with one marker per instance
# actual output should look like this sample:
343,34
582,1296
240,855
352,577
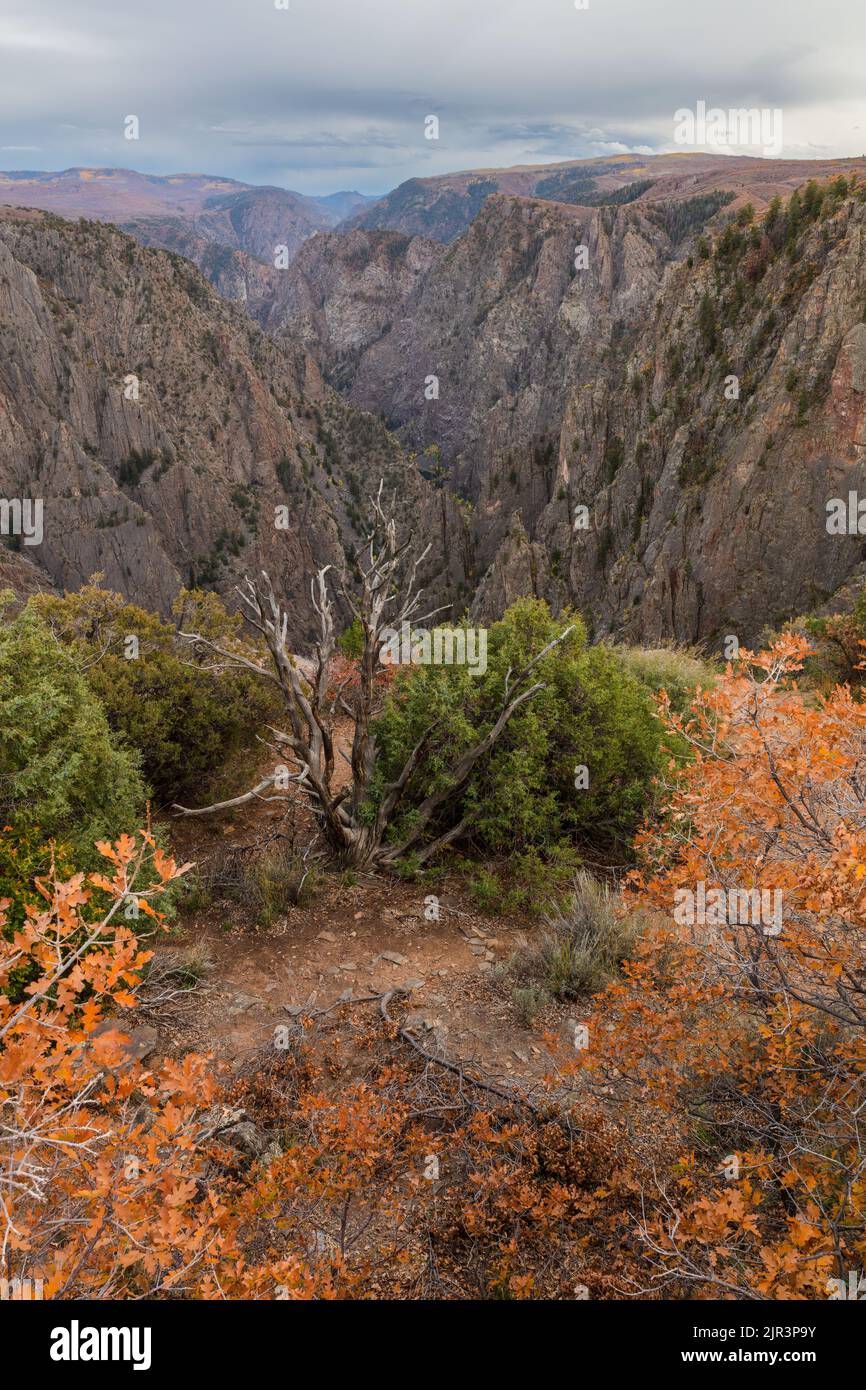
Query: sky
334,94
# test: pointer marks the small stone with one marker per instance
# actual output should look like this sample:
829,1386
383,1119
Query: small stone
326,936
394,957
348,965
417,1018
241,1003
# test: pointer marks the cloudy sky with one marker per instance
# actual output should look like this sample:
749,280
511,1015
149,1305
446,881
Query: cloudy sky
332,94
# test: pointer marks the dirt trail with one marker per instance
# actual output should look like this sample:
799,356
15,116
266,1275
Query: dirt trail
350,941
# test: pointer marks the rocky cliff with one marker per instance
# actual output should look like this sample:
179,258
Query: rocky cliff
698,386
684,360
162,430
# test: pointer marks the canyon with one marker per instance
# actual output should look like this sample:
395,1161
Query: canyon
698,384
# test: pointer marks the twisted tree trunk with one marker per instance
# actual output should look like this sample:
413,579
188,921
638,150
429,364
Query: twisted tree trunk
388,596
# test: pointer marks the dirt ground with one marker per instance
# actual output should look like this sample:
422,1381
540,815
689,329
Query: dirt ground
334,958
352,940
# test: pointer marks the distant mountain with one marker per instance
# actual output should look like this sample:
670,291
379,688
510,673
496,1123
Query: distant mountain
343,205
113,195
442,208
524,383
239,216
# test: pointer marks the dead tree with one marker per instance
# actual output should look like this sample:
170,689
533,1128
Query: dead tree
388,596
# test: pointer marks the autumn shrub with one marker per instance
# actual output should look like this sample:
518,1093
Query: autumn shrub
590,712
838,646
123,1182
742,1033
706,1142
184,721
101,1183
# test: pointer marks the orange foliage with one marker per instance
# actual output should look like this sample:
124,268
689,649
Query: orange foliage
114,1185
708,1143
749,1030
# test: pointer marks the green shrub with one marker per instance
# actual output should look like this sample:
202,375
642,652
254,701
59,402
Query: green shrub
591,712
63,775
581,947
64,780
184,721
527,882
351,642
529,1001
838,646
26,856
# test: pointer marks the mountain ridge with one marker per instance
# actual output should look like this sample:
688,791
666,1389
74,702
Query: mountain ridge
162,430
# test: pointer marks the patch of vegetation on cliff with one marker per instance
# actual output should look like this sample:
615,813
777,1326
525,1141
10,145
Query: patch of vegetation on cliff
681,218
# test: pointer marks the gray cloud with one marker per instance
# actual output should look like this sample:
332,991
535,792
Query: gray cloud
335,92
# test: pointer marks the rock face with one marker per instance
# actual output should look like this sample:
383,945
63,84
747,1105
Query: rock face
161,430
339,296
697,403
235,274
503,324
606,381
709,512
